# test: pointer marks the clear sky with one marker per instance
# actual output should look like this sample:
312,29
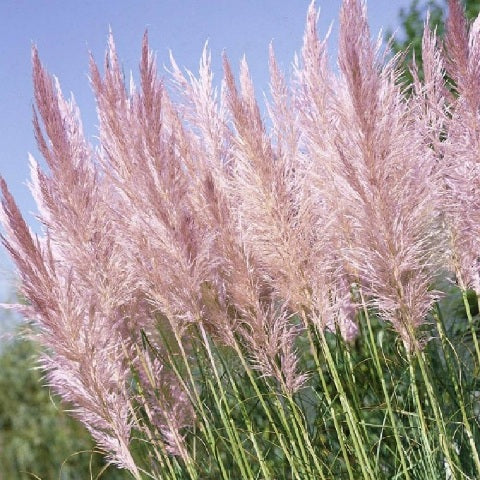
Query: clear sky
66,30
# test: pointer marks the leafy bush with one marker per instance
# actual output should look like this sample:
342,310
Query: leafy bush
221,300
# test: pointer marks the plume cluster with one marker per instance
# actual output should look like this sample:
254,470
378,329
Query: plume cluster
203,212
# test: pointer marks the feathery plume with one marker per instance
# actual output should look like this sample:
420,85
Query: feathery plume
462,167
378,178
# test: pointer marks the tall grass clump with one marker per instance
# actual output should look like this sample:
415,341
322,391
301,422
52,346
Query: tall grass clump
223,295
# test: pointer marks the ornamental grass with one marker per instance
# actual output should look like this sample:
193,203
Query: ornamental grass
223,293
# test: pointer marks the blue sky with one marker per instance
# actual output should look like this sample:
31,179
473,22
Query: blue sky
65,31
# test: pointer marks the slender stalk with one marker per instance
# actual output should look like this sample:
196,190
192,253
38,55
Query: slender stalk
376,361
457,386
350,377
285,447
436,412
161,456
222,404
300,423
333,413
420,358
471,325
421,416
351,418
204,424
352,421
232,433
299,437
263,466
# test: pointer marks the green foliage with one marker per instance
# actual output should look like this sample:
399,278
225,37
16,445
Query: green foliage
36,435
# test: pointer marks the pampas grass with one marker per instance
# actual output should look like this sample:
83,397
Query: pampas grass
225,296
